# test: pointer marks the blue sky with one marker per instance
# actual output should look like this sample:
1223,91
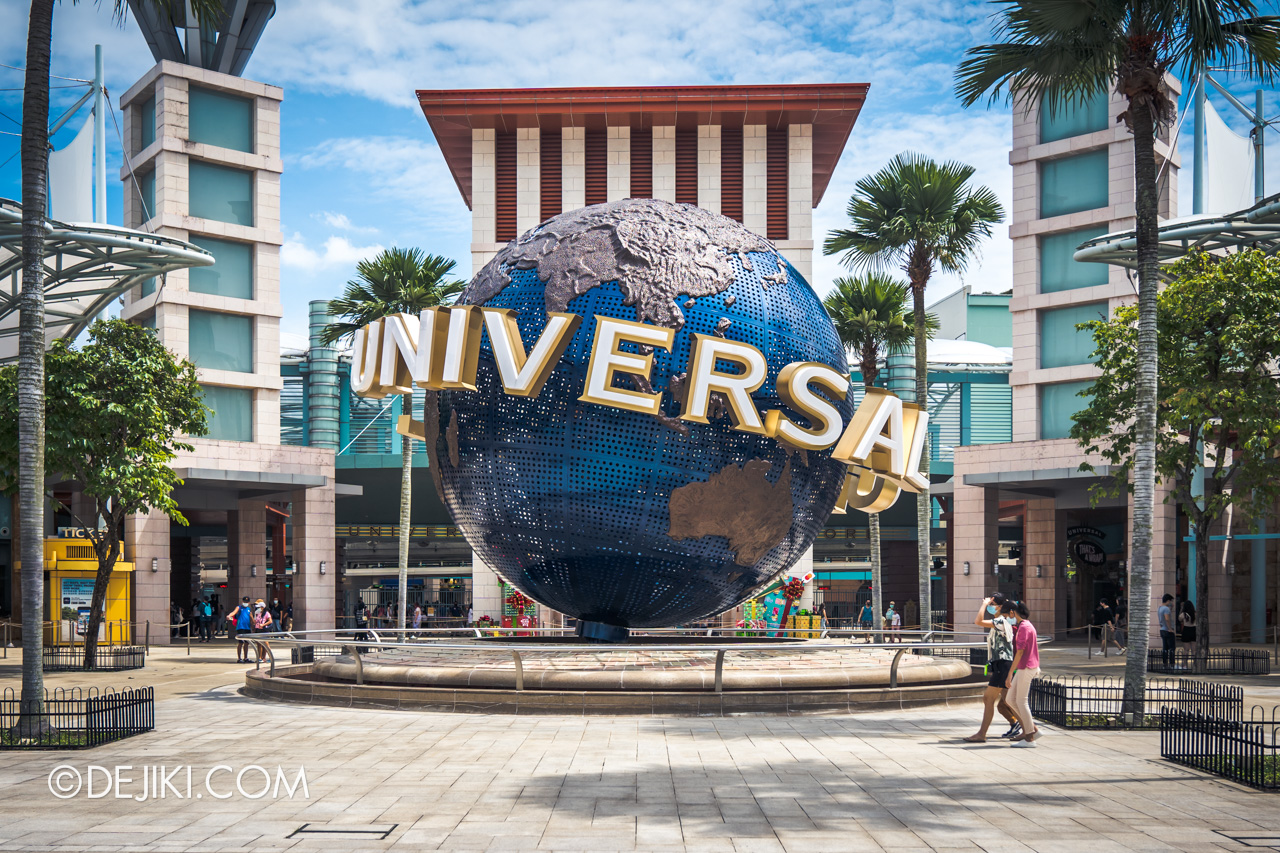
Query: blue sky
363,172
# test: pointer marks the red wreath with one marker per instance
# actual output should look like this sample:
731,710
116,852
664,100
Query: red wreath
791,591
519,601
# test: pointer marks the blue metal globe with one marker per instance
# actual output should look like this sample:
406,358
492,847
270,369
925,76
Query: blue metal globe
623,518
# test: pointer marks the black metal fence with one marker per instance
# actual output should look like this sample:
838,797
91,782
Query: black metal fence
1093,702
1219,662
1241,750
77,719
107,659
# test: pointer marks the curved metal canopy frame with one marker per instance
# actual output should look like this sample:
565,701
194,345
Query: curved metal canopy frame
85,266
1257,227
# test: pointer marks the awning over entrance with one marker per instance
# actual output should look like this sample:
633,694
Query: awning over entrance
1043,482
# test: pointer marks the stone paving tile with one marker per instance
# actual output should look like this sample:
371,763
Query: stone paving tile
900,782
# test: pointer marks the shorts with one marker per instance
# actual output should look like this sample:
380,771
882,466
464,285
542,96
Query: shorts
999,673
1189,634
241,635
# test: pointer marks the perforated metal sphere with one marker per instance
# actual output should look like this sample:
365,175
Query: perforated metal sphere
576,504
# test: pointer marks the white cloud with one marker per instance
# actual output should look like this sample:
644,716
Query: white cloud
337,252
343,222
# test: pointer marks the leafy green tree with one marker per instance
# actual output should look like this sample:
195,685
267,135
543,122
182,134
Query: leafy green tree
113,411
917,214
1218,343
34,150
1057,53
397,281
870,315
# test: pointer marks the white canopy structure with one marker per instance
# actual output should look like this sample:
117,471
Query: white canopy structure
86,266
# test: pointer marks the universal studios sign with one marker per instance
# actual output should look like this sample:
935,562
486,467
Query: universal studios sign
440,349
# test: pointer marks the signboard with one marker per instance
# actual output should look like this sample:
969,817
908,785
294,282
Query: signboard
77,594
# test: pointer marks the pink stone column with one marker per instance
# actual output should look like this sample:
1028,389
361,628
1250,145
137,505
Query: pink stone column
314,543
146,538
1044,546
246,548
976,518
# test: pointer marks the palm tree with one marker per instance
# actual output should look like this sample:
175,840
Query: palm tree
31,341
869,313
917,214
397,281
1053,53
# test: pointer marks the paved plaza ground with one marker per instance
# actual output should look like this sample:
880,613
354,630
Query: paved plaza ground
897,781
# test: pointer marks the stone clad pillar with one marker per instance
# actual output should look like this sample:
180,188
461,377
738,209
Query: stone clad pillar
618,174
1044,543
976,518
146,538
246,548
313,543
486,589
664,162
709,167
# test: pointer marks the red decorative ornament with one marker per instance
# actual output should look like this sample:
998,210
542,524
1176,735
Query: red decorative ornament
519,601
793,589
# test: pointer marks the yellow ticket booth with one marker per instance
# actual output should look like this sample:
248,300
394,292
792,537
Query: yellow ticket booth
70,568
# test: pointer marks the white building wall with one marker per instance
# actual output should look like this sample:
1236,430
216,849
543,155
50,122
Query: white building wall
664,163
709,167
484,207
528,186
755,178
618,176
573,167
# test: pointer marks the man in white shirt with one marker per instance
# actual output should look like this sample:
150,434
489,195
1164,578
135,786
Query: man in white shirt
1168,637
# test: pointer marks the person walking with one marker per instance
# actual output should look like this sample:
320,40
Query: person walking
1187,633
206,620
996,614
1168,637
262,623
1025,669
866,617
893,619
1101,623
417,618
1122,623
241,620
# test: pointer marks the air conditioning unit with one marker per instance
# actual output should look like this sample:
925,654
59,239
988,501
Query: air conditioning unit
5,533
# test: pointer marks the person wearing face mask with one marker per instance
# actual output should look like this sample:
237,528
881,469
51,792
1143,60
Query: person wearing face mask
996,615
1026,668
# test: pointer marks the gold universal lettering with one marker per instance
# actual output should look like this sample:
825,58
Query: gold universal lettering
867,491
873,438
608,359
794,390
449,348
705,379
364,360
521,375
399,354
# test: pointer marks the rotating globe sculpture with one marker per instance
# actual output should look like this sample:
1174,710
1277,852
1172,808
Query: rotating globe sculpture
619,518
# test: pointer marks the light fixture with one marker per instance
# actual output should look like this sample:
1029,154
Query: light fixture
155,564
966,568
253,570
1039,571
322,567
995,568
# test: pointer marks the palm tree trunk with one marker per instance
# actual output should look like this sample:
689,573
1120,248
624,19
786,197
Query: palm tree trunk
35,145
406,504
1144,467
877,595
924,516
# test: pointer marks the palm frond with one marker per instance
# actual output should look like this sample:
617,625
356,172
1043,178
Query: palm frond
395,281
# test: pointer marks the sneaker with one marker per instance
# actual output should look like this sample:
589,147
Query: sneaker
1014,731
1026,744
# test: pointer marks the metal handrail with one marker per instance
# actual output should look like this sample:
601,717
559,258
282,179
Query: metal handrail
352,645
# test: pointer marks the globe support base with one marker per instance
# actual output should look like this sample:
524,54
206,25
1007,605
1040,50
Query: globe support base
599,632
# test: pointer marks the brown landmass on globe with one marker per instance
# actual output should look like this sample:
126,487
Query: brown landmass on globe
739,504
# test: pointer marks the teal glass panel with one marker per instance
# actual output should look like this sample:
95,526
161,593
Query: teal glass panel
1061,343
147,184
148,286
1059,270
148,322
1058,403
1073,184
1067,117
220,193
221,341
221,119
147,118
231,415
232,270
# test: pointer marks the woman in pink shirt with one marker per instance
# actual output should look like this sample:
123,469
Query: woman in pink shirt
1026,668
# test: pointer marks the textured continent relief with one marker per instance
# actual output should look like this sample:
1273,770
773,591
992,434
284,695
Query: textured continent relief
739,504
656,250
